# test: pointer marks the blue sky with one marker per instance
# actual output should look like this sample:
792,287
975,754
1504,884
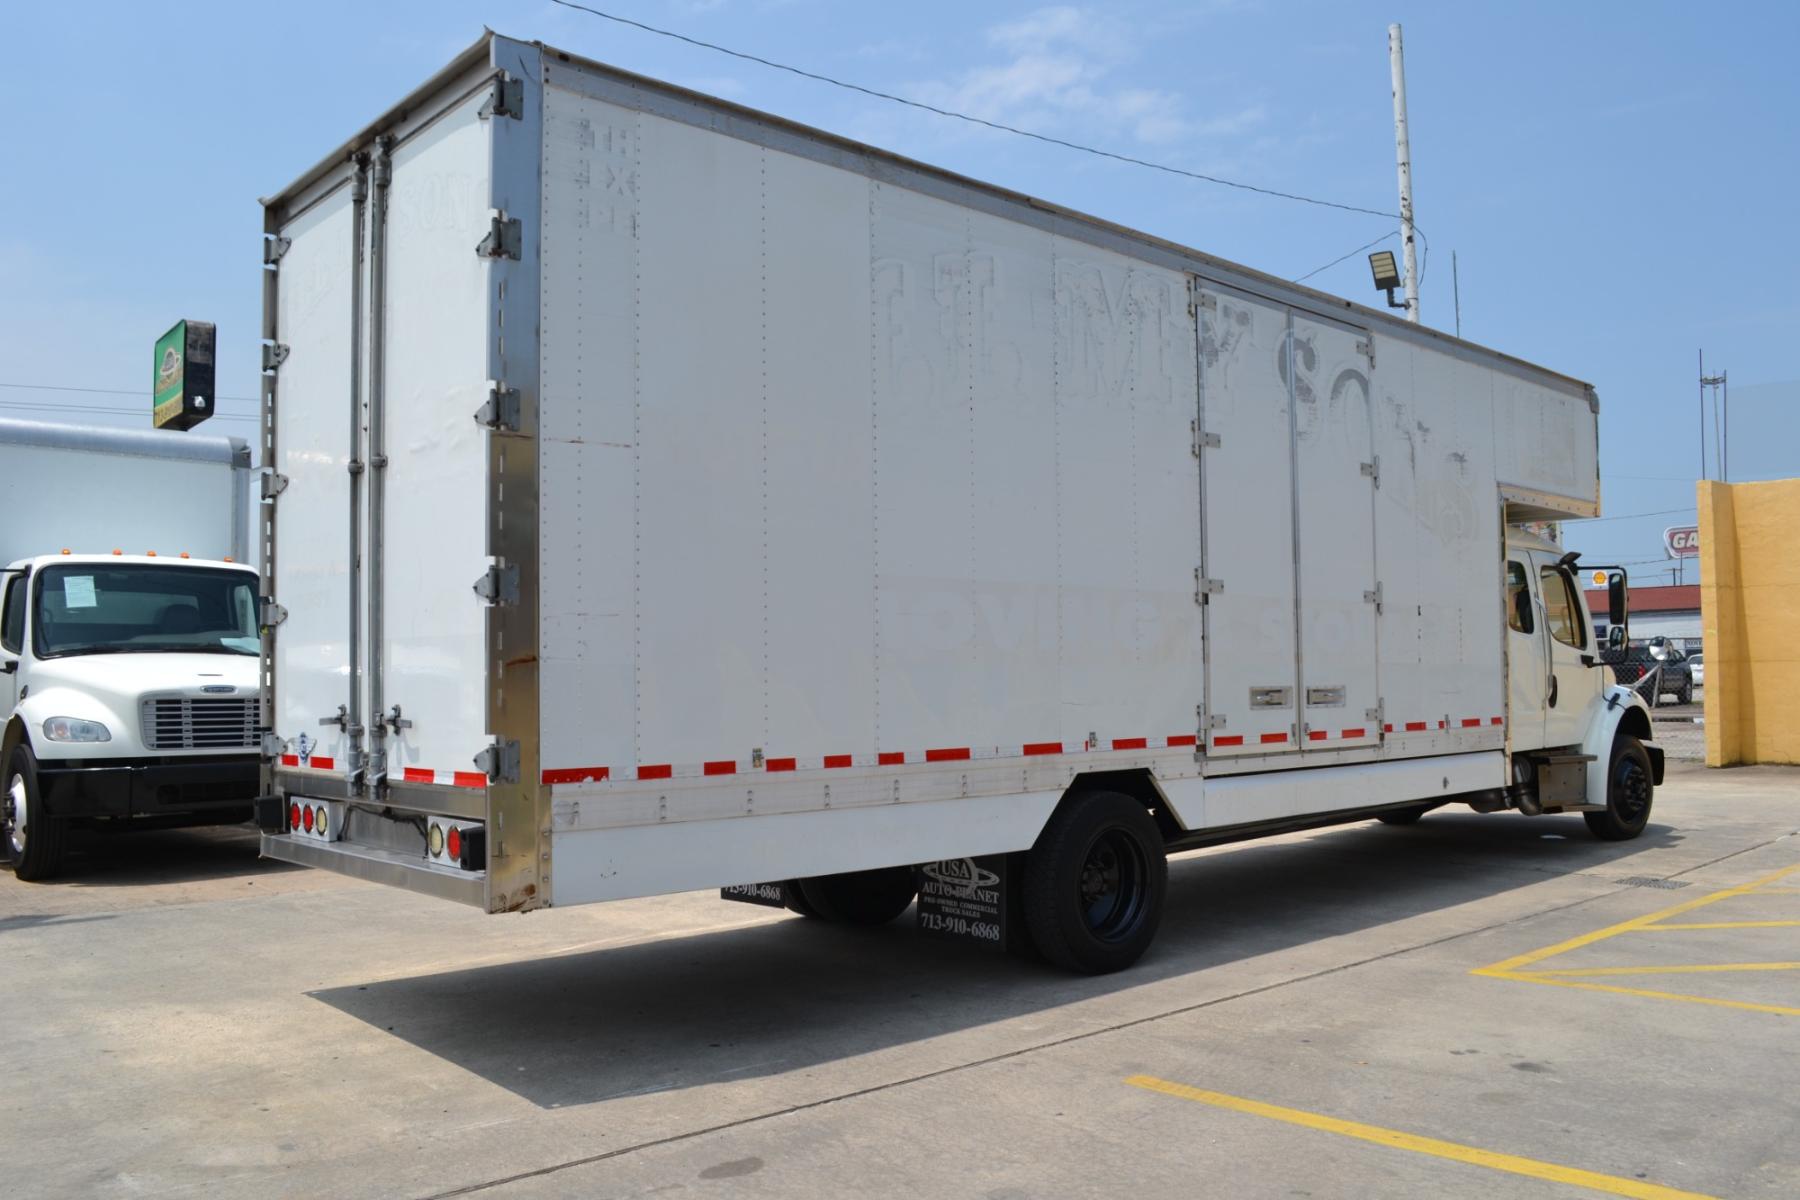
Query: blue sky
1618,181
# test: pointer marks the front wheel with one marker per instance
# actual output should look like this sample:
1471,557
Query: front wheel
1629,792
35,841
1094,883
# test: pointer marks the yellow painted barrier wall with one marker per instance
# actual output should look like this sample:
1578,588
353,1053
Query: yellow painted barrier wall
1750,619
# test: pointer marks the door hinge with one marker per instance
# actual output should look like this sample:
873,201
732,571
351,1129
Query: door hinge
1372,470
500,762
505,238
272,745
1204,587
500,585
272,614
1375,716
508,99
273,484
274,248
274,354
1374,597
1366,348
1213,721
500,410
1204,441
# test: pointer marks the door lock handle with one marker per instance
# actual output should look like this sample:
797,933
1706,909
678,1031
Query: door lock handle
1553,691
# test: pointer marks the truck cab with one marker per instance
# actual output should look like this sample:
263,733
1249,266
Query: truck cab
129,692
1574,735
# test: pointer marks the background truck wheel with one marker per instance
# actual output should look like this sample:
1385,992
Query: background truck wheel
33,841
1094,883
795,899
859,897
1401,816
1628,793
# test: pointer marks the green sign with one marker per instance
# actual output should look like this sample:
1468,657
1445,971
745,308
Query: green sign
181,394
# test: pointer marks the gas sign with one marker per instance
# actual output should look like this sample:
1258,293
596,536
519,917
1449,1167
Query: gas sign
1682,541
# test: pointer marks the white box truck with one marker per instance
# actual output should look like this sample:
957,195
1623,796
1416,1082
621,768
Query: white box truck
670,496
128,634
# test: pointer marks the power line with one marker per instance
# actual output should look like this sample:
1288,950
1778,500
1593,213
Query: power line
1334,262
55,387
1632,516
973,120
123,412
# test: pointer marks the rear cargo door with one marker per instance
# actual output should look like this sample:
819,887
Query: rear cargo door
1339,594
1247,575
315,281
429,491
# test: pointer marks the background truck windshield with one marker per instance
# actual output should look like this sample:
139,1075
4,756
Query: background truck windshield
94,608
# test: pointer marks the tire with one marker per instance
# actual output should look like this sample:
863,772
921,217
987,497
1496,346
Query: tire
1401,816
795,900
1685,695
1629,793
859,897
35,843
1095,883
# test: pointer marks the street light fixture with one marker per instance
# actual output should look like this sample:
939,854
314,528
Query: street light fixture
1387,275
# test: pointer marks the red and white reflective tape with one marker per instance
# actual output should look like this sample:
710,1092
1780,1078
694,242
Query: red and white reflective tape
317,762
463,779
837,762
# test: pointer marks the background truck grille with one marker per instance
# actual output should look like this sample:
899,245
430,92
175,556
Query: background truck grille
193,723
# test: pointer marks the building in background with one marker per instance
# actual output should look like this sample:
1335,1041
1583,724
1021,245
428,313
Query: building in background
1669,611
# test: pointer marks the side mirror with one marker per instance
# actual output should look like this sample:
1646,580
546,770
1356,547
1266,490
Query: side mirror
1616,600
9,666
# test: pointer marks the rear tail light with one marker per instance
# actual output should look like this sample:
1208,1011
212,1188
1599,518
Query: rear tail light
460,844
306,816
316,820
294,818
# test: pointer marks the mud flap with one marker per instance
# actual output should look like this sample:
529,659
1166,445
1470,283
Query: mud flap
770,895
973,900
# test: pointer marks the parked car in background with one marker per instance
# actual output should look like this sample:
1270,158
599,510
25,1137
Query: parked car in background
1645,658
1697,669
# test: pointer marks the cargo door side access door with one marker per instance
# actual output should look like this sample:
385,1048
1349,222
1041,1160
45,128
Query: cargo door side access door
1340,597
1247,577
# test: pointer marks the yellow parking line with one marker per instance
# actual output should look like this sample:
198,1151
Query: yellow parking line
1714,1001
1667,969
1395,1139
1769,891
1717,925
1507,967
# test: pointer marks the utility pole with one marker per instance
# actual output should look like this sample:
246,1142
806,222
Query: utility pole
1403,158
1456,290
1720,399
1703,413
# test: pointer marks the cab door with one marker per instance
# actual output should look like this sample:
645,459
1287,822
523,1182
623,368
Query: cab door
1572,684
1527,667
13,591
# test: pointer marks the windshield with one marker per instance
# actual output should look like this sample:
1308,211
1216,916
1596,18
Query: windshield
138,608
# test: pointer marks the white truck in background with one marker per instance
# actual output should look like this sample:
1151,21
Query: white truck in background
128,634
714,500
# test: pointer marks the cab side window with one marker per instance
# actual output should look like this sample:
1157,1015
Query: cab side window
1566,625
12,614
1518,599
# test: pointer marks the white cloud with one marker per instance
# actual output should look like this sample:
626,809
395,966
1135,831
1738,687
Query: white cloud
1063,70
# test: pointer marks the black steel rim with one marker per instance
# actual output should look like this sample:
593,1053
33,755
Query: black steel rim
1112,885
1630,789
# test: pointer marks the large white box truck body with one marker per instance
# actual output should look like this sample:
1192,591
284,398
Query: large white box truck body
679,497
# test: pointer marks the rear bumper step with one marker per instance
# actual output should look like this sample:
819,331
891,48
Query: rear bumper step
379,866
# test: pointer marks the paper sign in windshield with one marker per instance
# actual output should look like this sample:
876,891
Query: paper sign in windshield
78,591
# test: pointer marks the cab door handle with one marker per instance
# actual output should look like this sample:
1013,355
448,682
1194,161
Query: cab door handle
1553,691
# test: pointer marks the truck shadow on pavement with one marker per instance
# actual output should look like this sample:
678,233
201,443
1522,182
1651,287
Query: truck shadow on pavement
771,998
132,858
